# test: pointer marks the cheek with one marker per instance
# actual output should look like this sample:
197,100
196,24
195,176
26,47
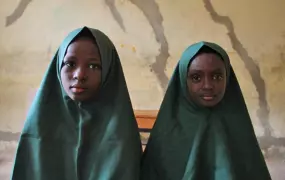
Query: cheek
64,76
96,80
65,72
192,87
221,87
99,78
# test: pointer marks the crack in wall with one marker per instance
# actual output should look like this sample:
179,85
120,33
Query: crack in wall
18,12
115,13
251,66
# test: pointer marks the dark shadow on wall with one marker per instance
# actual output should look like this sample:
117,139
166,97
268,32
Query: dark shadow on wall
116,14
251,66
9,136
151,11
18,12
263,112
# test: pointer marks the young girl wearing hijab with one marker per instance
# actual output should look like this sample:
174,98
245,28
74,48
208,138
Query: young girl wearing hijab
203,130
81,125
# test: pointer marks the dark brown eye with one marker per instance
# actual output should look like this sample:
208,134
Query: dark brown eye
195,78
95,66
69,64
218,77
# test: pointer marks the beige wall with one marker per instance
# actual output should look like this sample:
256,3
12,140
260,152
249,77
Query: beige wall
150,37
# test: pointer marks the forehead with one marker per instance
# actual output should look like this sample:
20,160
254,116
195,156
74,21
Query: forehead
83,44
207,62
83,50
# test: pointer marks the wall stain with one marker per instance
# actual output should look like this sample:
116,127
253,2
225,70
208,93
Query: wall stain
9,136
115,13
18,12
151,11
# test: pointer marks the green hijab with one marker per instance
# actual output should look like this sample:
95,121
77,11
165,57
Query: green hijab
65,140
189,142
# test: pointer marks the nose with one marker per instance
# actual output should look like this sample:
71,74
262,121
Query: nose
208,84
80,75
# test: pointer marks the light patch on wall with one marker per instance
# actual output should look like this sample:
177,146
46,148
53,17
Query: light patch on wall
7,153
30,98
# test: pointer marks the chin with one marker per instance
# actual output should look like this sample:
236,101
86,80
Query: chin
209,104
84,98
77,98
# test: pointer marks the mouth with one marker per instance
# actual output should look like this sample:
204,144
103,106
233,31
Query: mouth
78,89
208,97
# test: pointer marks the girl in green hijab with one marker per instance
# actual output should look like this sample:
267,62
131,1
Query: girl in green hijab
81,125
203,130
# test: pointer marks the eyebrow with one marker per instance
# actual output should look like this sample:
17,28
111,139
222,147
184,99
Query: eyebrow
218,70
89,59
94,59
195,71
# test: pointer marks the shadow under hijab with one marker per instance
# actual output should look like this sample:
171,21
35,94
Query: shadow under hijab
65,140
189,142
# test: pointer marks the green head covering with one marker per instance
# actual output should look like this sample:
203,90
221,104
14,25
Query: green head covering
189,142
65,140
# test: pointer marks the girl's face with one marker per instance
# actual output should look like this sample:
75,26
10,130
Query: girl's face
206,79
81,70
